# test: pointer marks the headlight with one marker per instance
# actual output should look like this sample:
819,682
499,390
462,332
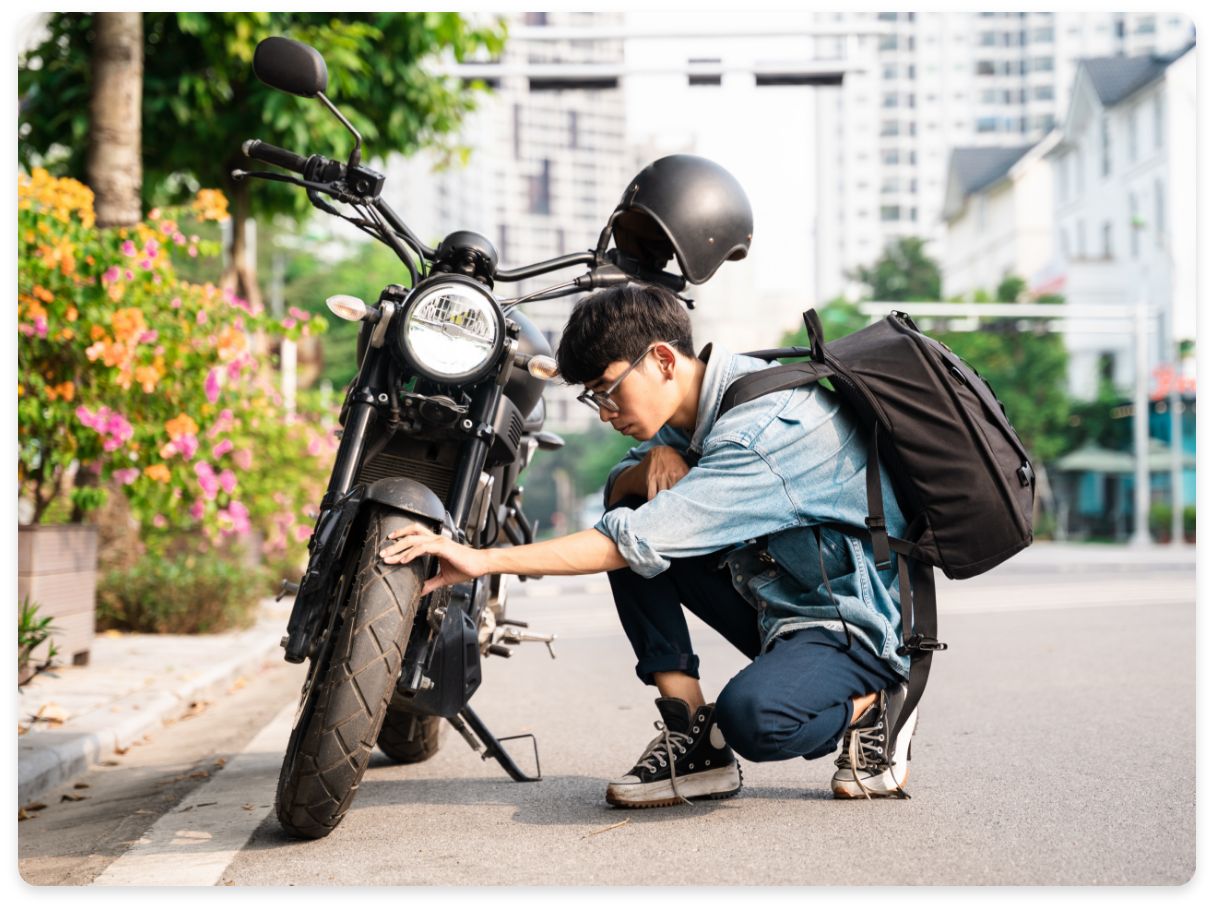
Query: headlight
452,330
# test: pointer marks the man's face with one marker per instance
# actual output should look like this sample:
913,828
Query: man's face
641,392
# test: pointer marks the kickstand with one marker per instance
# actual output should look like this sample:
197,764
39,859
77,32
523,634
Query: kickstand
493,746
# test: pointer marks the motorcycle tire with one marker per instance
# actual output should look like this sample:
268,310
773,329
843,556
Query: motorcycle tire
355,677
409,738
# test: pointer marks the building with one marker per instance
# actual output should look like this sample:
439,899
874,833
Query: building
1125,213
944,81
998,216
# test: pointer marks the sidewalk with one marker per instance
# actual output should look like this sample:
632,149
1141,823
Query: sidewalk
76,716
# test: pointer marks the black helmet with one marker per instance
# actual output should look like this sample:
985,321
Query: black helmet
687,207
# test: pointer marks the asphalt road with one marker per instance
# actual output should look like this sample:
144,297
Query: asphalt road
1056,746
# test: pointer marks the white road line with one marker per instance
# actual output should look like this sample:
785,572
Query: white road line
198,839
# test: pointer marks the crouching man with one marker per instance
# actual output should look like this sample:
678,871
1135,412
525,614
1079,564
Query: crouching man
719,513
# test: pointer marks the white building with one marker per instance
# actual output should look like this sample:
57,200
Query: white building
998,216
1125,207
943,81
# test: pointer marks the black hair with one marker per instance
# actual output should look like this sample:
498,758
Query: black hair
619,324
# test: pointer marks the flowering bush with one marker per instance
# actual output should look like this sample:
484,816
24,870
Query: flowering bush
133,377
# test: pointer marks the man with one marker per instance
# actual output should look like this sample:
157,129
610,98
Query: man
718,512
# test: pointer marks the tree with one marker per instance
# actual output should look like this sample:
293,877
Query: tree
904,272
201,100
115,171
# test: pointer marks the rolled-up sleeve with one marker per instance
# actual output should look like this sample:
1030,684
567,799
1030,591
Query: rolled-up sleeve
732,495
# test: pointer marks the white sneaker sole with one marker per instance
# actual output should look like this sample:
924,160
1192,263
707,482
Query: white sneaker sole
720,783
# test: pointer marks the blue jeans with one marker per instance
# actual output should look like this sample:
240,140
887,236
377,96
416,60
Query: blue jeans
794,700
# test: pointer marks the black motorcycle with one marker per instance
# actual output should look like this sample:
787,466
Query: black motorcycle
445,412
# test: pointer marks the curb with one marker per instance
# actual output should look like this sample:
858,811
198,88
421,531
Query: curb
48,758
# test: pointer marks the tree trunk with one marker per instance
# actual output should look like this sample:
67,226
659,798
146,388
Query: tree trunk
115,169
240,276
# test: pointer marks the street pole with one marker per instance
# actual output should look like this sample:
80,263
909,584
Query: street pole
1175,404
1142,475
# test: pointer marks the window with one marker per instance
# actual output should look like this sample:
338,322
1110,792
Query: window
889,99
1106,152
1135,226
1043,93
984,68
987,124
1157,117
1145,26
887,43
890,212
889,127
573,132
1106,235
1041,65
889,156
539,190
1132,134
889,71
1159,212
518,131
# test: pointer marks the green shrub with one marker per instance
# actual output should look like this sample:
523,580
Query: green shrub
1160,521
180,593
33,630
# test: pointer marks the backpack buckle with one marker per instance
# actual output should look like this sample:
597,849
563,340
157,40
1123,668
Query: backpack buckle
875,524
921,643
1025,473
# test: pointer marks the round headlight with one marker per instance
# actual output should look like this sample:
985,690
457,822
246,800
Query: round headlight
452,330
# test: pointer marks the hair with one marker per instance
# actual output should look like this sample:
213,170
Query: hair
619,324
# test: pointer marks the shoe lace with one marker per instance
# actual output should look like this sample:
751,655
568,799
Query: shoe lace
867,750
661,750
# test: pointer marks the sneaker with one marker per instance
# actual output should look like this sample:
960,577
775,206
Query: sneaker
687,760
870,765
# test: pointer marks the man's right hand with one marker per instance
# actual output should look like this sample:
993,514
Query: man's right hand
663,467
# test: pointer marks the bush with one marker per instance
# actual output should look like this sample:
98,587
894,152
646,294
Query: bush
1159,520
180,593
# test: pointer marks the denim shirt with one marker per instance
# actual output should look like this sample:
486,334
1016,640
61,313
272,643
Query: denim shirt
771,467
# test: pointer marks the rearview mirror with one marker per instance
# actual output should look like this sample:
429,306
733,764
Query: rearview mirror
290,66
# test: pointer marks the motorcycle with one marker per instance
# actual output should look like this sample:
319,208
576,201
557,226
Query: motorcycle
445,412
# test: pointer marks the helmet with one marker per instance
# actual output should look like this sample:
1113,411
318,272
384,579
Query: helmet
687,207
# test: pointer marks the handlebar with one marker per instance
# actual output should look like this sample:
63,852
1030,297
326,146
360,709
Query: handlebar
272,154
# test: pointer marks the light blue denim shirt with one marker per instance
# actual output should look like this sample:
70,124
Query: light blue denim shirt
773,467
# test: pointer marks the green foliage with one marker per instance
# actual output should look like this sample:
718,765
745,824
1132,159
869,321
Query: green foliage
903,272
201,99
586,458
1159,520
32,631
839,317
180,594
1096,421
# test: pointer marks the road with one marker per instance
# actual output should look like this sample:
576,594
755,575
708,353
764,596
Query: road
1056,746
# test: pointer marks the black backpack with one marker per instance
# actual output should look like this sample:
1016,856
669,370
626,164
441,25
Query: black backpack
962,477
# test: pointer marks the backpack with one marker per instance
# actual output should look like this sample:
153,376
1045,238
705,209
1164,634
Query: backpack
961,475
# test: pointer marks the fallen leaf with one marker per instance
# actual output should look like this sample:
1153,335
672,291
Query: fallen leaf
71,798
195,708
248,807
122,750
201,805
200,774
22,815
21,731
229,883
34,807
220,762
110,633
239,684
109,762
144,812
52,713
81,786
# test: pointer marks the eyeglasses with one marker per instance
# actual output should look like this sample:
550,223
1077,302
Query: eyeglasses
603,399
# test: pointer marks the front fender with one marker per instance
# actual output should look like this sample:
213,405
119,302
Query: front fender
329,544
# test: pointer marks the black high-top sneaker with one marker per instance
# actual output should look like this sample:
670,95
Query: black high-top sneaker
871,765
687,760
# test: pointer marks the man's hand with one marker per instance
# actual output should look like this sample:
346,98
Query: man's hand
663,467
456,562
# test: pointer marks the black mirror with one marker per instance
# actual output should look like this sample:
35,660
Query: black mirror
290,66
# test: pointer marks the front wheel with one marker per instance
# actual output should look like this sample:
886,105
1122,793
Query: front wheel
350,684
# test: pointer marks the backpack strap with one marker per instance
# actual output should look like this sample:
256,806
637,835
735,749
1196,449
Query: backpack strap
774,379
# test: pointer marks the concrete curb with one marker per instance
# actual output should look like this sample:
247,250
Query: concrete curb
48,758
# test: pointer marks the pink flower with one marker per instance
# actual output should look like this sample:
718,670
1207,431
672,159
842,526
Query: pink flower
315,446
112,274
197,510
151,249
187,446
234,370
175,303
289,323
168,450
227,480
40,326
221,448
243,459
302,532
201,319
212,386
150,337
160,521
299,314
128,249
239,516
145,264
130,276
179,238
193,251
126,475
207,479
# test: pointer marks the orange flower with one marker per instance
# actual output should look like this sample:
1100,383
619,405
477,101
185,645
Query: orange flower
181,425
128,324
43,294
71,314
211,205
148,377
96,332
157,472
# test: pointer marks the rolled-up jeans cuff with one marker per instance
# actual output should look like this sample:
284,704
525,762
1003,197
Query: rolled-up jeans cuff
664,663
